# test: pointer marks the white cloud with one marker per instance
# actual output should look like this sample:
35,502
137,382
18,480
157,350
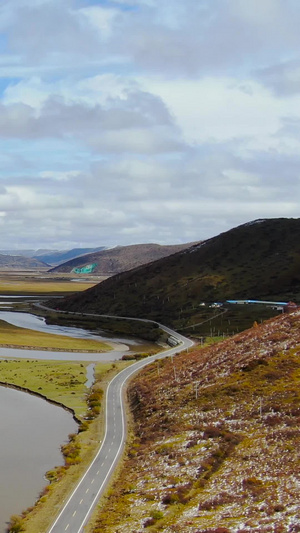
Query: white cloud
137,120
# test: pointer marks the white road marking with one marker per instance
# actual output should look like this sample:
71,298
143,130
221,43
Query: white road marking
135,367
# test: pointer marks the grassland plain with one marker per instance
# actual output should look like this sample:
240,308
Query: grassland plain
31,287
216,441
11,335
62,382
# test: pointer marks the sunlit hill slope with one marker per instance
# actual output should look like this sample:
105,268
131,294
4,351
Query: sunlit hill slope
217,438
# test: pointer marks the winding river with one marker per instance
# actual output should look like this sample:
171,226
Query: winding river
120,345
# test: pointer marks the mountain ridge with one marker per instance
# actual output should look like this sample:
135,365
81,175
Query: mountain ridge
20,262
257,260
120,258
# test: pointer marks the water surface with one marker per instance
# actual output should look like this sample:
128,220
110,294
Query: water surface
119,345
32,431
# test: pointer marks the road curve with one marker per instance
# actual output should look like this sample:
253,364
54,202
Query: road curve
76,511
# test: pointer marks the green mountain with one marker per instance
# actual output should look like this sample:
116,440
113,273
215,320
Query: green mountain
258,260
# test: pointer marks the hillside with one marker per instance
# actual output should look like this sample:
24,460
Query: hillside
122,258
20,262
258,260
216,440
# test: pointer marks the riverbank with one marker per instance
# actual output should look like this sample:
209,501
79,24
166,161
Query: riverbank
64,383
19,337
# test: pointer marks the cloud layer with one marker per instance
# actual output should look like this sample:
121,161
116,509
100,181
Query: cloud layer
133,121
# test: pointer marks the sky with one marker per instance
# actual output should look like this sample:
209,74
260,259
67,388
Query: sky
135,121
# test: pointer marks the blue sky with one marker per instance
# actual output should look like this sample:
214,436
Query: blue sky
125,122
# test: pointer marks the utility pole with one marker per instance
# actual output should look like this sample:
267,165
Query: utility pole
175,377
260,406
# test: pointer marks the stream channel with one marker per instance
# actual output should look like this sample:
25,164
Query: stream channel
32,430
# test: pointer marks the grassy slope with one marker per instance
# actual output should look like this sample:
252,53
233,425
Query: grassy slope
225,457
260,260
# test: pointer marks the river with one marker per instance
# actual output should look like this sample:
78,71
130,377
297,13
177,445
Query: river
120,345
32,431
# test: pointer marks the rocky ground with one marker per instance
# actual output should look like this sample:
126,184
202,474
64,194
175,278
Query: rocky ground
216,444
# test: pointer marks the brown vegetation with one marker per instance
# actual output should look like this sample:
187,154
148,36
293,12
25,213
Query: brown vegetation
121,258
215,446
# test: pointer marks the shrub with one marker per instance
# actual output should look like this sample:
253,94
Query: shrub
254,364
16,524
178,495
221,499
155,516
71,451
94,402
254,485
211,432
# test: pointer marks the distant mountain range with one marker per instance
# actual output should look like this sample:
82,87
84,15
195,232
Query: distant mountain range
52,257
61,256
119,259
260,259
20,262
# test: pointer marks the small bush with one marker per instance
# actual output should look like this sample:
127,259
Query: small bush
254,364
211,432
221,499
155,516
71,451
16,524
254,485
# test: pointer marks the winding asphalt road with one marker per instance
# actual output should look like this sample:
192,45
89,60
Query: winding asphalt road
76,511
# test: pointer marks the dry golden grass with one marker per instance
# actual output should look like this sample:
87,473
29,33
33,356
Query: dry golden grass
224,457
24,287
11,335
